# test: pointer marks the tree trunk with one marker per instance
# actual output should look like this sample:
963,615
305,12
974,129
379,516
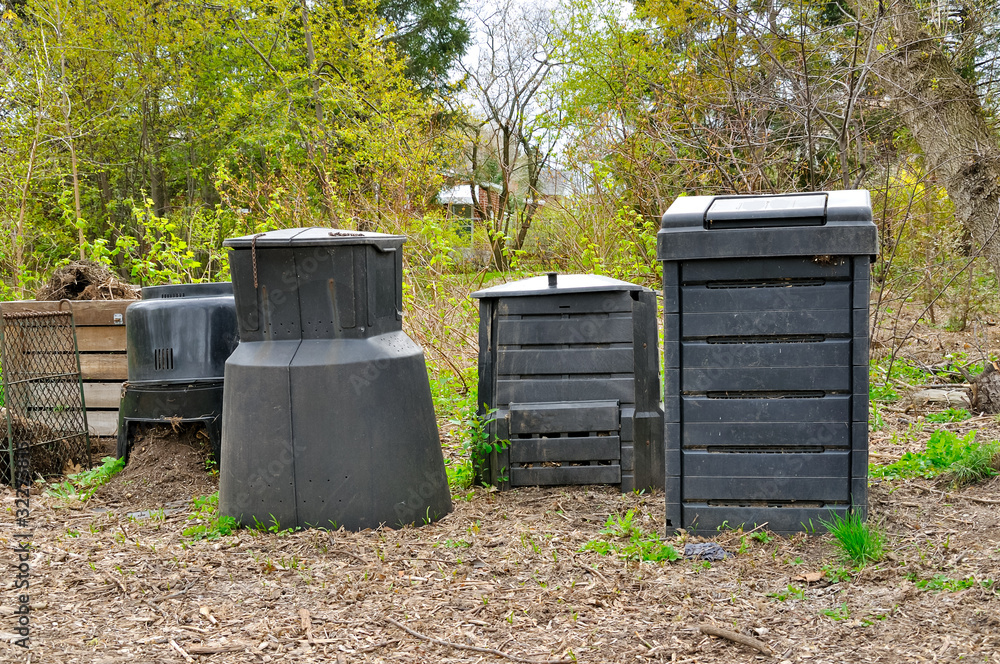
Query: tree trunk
945,115
19,229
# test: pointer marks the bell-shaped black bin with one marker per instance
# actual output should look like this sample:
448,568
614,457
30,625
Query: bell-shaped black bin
178,339
327,418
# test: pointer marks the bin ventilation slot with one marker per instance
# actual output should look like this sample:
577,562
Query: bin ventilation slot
773,503
773,449
168,295
805,394
768,339
766,283
163,359
763,223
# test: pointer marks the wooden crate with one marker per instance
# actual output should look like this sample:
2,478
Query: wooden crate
100,336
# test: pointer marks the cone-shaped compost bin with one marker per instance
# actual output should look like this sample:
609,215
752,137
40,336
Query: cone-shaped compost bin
328,419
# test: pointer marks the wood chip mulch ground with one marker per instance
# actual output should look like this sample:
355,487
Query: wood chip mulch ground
503,578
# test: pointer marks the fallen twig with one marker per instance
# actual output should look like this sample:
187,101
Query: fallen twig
306,624
163,598
459,646
187,657
736,637
984,501
214,650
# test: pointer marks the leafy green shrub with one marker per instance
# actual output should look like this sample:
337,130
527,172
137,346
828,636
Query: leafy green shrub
82,485
636,545
858,541
963,458
208,523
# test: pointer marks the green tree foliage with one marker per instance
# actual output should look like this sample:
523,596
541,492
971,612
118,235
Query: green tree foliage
693,96
129,129
431,34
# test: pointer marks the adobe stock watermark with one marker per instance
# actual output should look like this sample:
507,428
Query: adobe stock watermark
22,540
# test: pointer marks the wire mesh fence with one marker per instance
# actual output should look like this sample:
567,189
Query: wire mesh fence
43,395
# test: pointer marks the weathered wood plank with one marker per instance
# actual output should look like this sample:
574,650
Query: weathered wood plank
104,366
85,312
101,339
102,422
102,395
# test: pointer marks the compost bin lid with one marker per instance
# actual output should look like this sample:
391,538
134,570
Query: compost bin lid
801,224
315,236
187,291
561,284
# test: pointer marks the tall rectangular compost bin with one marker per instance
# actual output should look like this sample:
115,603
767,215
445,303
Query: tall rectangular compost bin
568,374
766,358
327,416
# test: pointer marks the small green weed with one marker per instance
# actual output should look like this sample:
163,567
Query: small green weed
633,543
839,613
881,377
790,592
963,458
84,484
948,415
942,583
836,573
858,541
209,525
762,536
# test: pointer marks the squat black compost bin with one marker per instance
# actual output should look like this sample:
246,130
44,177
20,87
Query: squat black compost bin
178,338
568,374
766,358
328,419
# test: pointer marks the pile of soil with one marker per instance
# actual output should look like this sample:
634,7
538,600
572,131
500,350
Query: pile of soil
165,466
86,280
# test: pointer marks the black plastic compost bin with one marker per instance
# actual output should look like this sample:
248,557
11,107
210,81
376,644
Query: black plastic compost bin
765,302
178,338
328,419
568,375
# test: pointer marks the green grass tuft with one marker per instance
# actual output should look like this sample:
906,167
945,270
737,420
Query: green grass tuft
858,541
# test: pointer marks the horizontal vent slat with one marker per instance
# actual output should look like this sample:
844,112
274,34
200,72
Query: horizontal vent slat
537,450
565,361
569,389
566,475
583,330
568,416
